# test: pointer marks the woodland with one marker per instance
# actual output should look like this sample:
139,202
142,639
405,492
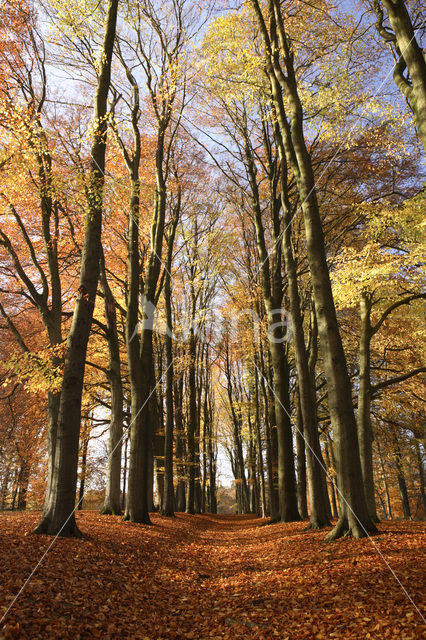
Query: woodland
212,224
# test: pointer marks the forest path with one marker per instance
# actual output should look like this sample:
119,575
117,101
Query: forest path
208,576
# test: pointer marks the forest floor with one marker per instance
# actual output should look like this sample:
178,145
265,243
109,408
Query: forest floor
209,577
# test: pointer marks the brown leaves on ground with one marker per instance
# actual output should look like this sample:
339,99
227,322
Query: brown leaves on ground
209,577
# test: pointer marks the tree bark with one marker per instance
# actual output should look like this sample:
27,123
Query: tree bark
330,465
301,463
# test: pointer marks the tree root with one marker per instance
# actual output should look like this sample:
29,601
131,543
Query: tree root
274,520
67,530
343,530
314,526
127,517
109,511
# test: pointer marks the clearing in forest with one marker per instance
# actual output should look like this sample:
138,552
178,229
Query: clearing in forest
210,577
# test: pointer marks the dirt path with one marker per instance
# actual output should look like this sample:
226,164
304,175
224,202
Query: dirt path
209,577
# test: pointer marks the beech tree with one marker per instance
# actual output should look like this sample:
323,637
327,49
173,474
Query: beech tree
387,280
246,278
279,62
58,516
399,25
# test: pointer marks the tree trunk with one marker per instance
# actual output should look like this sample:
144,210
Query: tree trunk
4,488
286,472
137,507
271,447
239,471
140,467
168,498
420,466
180,448
85,446
112,502
364,427
212,456
259,448
330,465
23,481
382,504
401,477
411,57
301,464
191,427
124,490
59,514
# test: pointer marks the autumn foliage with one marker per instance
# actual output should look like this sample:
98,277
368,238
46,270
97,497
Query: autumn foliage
211,577
212,299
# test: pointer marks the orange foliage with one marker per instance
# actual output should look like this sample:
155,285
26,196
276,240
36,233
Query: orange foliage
210,577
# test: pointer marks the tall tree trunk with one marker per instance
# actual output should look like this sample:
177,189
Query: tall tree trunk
330,464
15,487
198,496
253,486
365,429
271,446
112,502
168,498
212,458
191,426
259,447
4,488
180,447
239,471
286,472
382,504
59,514
137,508
124,490
301,463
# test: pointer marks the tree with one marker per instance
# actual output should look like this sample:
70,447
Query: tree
279,63
381,274
58,517
399,30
